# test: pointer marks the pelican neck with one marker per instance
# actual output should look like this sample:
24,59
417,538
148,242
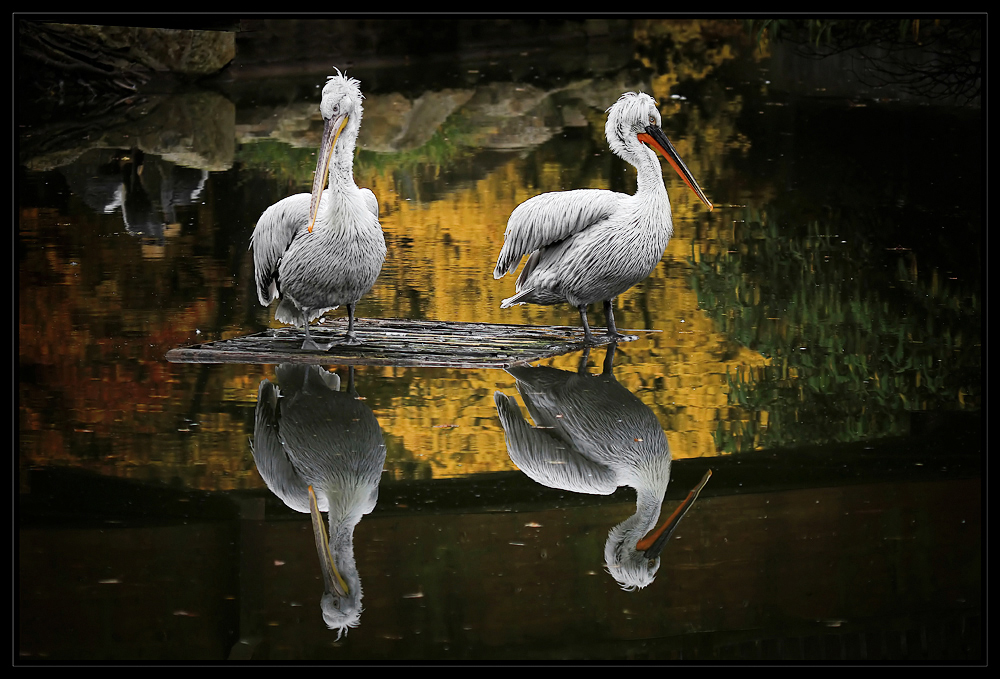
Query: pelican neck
650,172
648,505
341,174
343,515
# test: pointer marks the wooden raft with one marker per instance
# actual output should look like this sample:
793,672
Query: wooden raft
399,342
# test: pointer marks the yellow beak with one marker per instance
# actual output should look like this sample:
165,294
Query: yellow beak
331,133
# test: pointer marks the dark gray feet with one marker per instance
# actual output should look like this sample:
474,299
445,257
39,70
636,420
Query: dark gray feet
609,313
312,345
352,337
613,333
587,337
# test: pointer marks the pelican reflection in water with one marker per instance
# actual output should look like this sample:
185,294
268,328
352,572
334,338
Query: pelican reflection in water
320,449
321,250
591,245
592,435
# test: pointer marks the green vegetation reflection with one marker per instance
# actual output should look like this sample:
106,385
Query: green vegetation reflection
851,354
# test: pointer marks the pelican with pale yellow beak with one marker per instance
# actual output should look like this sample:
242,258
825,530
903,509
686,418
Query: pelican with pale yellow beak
320,250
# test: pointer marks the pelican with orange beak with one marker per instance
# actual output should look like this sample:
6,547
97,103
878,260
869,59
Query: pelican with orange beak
320,250
591,245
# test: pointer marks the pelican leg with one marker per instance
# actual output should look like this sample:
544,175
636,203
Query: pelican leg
609,313
609,360
587,337
584,359
310,344
351,337
350,320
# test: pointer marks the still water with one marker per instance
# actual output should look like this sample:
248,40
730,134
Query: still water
816,344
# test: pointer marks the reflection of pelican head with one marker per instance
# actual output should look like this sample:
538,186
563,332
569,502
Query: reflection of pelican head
592,435
624,562
320,449
341,600
632,555
341,613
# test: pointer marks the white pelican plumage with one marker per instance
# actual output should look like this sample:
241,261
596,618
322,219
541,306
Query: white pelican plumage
320,449
592,435
321,250
591,245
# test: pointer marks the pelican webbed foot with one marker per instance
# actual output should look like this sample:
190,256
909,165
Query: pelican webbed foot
310,345
351,338
609,313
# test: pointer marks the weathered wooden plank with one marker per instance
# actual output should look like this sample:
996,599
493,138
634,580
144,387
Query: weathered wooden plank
399,342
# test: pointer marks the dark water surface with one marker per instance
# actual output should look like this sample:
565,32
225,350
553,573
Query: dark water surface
818,347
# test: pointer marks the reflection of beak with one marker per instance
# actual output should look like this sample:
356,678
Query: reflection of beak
653,544
331,576
658,141
331,132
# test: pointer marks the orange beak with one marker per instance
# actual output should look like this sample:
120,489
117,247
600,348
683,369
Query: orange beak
654,543
658,142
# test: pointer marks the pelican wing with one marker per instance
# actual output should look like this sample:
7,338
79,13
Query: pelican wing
371,201
275,231
549,218
269,454
546,458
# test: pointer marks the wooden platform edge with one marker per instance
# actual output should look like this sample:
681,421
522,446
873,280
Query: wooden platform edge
387,342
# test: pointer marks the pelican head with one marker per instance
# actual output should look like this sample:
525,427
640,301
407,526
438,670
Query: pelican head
341,601
340,613
633,559
627,565
635,120
341,110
